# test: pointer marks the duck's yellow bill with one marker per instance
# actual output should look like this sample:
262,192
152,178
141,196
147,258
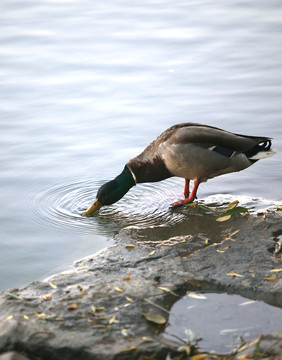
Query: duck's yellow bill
94,207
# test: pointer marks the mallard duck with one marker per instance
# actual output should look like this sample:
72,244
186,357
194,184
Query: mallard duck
189,150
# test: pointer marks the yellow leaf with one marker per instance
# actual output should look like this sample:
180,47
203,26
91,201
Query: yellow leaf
264,216
52,285
129,349
207,241
234,274
247,303
112,320
152,253
232,205
118,289
26,317
130,246
155,318
129,299
72,307
59,319
167,290
199,357
223,218
47,297
40,315
93,309
100,308
279,207
275,270
147,339
220,251
10,317
270,278
127,277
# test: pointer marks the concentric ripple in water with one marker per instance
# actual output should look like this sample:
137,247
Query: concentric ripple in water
144,205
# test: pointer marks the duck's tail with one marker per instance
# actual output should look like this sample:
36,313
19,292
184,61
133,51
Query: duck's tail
260,151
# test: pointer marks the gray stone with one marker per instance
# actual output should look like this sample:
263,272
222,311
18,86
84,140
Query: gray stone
96,310
12,355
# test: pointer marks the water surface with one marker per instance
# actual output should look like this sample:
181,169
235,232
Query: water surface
85,86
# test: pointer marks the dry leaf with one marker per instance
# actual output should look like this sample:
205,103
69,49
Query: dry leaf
234,274
129,349
247,303
152,253
118,289
129,299
270,278
26,317
232,205
40,315
147,339
10,317
129,246
155,318
127,277
195,295
275,270
222,250
167,290
279,207
17,297
72,307
223,218
112,320
47,297
199,357
52,285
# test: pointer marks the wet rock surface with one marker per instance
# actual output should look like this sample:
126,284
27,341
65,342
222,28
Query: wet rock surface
100,309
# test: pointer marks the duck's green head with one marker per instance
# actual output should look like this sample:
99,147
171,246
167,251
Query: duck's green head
112,191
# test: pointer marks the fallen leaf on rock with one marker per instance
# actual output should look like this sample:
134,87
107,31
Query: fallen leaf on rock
195,295
83,293
59,319
275,270
10,317
270,278
222,250
155,318
40,315
279,207
129,299
93,309
80,288
26,317
129,349
14,296
247,303
47,297
223,218
127,277
118,289
167,290
72,307
199,357
53,285
232,205
112,320
234,274
129,246
185,348
152,253
147,339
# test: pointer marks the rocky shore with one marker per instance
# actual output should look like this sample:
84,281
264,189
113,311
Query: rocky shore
116,304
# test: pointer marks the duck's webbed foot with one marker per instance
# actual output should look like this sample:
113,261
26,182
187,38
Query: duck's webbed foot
192,197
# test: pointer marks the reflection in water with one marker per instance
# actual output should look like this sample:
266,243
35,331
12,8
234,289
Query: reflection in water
220,319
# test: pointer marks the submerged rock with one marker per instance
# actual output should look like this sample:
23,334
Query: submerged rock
100,309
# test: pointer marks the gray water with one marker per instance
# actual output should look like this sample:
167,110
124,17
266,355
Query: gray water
221,320
85,86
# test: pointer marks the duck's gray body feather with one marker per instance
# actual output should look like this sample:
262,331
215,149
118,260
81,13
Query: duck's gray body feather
195,151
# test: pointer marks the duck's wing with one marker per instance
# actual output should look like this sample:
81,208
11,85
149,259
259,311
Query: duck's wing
196,151
209,136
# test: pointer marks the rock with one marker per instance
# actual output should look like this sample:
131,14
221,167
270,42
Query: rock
11,355
96,310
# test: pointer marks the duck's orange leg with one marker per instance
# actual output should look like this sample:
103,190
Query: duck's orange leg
191,197
186,188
